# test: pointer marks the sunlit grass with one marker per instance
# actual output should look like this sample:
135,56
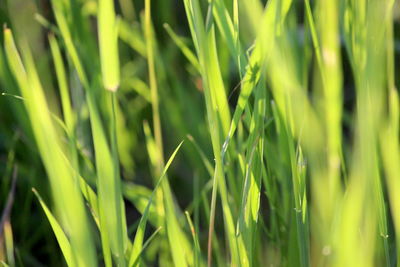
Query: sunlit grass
290,110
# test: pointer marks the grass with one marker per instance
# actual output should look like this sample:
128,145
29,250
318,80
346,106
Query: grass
280,120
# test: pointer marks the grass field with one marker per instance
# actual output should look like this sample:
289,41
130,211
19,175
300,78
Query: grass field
199,133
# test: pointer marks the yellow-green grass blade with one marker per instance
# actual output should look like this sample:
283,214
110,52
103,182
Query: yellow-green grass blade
389,144
139,196
181,252
109,188
86,190
197,251
204,39
390,151
229,31
150,44
138,241
9,242
69,118
255,64
62,23
111,215
250,203
205,44
108,43
324,31
62,239
289,97
58,9
131,35
332,79
183,47
206,162
365,42
146,244
140,87
63,183
62,84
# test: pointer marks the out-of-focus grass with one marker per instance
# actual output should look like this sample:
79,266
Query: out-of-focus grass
290,108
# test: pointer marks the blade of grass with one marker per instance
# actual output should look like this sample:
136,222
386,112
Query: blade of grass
58,231
204,38
69,199
108,42
197,250
146,244
183,47
137,243
181,251
250,203
112,220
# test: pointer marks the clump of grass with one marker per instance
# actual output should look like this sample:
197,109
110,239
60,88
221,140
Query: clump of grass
289,174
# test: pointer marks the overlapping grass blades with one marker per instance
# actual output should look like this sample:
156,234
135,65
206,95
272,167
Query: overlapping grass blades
138,241
217,114
64,184
181,252
287,166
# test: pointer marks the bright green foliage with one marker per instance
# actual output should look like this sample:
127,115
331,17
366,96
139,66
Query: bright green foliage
63,182
291,110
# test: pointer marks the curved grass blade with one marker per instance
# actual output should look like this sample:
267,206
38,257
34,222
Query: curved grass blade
183,47
146,244
62,239
137,243
62,181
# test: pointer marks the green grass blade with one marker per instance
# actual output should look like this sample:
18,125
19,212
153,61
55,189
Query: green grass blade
204,38
62,181
146,244
181,252
197,251
182,46
138,241
109,188
108,42
58,231
250,204
62,83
